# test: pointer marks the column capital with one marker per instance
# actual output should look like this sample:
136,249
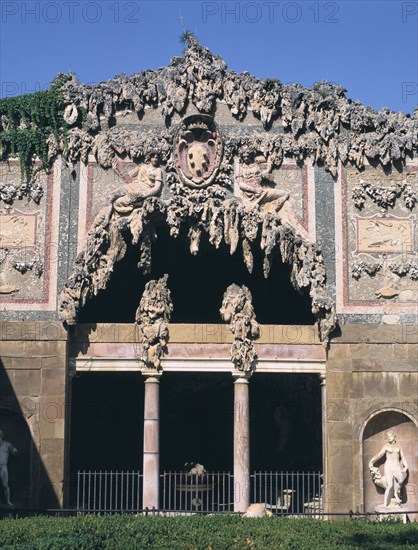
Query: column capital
241,377
323,378
151,377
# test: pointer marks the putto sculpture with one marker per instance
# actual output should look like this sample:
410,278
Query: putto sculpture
396,468
6,449
237,309
153,316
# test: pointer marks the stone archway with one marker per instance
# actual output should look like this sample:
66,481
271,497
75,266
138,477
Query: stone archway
373,439
224,221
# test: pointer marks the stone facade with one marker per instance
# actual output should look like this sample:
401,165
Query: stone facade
370,371
34,397
258,167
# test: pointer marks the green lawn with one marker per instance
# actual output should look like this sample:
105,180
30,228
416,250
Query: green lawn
211,533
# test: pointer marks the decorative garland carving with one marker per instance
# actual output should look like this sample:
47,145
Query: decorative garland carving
32,191
404,268
360,266
153,316
385,196
35,265
373,266
237,309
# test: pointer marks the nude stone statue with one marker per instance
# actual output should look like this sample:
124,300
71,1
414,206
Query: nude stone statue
255,186
146,182
6,449
142,181
396,469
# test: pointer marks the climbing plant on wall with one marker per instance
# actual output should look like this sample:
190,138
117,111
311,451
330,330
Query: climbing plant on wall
28,121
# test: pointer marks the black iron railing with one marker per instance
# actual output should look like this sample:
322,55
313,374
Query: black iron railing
110,491
283,493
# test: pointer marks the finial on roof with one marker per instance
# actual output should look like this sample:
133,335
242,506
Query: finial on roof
196,54
189,38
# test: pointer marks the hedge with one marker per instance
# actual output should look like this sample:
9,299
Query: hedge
195,533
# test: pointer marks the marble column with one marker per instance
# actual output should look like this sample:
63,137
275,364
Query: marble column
241,442
323,379
151,467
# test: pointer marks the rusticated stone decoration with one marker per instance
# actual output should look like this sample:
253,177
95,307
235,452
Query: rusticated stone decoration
224,220
197,190
237,309
384,195
152,316
318,123
198,151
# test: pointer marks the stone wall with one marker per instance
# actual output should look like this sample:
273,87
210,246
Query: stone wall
33,374
370,369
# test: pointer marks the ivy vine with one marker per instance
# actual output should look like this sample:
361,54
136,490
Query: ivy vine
27,122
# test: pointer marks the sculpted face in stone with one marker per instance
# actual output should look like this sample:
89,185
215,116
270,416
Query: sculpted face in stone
155,160
391,437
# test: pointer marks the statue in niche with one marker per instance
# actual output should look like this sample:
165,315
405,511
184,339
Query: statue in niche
254,183
142,181
395,474
237,309
198,151
153,316
6,449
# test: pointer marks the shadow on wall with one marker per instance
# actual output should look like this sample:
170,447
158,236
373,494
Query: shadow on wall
29,483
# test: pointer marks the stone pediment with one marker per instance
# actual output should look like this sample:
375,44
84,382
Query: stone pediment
318,123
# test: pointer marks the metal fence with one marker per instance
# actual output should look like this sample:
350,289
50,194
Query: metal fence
283,493
289,493
109,491
191,493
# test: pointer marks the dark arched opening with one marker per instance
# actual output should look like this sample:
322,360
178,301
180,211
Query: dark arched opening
197,284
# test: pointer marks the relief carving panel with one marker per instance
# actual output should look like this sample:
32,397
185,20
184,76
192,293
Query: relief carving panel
377,268
29,223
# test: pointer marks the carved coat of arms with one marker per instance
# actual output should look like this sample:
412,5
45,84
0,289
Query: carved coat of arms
198,151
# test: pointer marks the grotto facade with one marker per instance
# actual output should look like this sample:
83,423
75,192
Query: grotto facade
207,272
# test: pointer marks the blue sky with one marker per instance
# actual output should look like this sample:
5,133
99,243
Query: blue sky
369,47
